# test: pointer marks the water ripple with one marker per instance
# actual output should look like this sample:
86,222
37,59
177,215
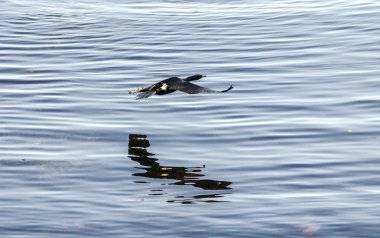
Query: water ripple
291,151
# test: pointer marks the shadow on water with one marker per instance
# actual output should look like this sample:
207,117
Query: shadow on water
137,151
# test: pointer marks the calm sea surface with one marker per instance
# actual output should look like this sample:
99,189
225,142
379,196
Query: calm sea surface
292,151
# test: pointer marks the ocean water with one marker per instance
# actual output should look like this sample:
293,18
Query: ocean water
291,151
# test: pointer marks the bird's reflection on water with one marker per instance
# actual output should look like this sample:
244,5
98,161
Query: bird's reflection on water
151,168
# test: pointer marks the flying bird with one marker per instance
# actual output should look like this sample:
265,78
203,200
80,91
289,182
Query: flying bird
173,84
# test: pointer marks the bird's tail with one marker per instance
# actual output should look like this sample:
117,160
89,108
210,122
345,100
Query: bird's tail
139,90
228,89
135,91
142,95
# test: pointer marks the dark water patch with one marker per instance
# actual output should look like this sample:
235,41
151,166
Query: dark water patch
137,151
6,82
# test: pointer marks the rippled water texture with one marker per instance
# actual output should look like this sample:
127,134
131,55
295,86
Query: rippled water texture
291,151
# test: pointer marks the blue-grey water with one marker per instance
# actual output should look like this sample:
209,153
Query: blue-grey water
291,151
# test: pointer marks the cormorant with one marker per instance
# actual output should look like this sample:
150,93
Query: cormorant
173,84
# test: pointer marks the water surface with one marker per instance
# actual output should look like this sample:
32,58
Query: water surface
291,151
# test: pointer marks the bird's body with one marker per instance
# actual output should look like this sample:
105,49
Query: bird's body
173,84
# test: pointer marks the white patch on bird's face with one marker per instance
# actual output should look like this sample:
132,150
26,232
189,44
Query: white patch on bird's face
164,87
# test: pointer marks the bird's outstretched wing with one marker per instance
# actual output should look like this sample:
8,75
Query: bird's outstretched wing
191,88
